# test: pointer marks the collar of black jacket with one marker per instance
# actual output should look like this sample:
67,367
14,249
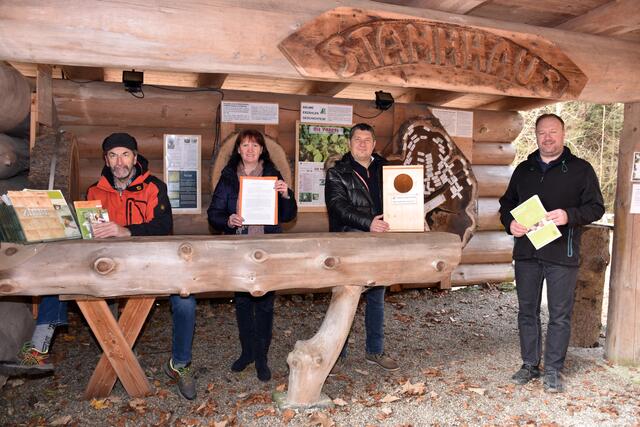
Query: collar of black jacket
535,160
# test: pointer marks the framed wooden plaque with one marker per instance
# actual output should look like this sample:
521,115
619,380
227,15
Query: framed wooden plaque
403,197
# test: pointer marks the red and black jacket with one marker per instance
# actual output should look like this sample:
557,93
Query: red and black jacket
143,207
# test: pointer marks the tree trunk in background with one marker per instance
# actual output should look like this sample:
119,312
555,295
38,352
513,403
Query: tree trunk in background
587,311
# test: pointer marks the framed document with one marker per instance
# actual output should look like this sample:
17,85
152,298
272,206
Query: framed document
182,172
258,200
403,197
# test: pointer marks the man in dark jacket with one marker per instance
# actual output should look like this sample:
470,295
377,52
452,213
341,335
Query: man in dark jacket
137,204
568,188
353,194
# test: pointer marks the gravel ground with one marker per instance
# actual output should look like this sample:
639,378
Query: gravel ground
457,351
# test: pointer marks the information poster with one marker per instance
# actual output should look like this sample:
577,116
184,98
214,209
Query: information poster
261,113
182,172
455,122
326,113
316,143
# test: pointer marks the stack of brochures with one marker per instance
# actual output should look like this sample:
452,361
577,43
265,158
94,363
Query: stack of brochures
531,214
90,213
30,216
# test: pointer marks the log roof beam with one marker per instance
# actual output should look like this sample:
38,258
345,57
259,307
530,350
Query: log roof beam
618,18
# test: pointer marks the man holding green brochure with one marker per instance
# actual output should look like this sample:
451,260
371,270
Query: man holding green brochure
569,191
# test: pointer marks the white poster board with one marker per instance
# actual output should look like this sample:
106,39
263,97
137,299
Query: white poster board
311,112
315,143
260,113
182,172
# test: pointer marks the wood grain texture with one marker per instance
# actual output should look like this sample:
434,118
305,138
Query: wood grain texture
140,266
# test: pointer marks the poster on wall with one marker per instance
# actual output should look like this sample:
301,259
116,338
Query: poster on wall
635,173
315,144
182,172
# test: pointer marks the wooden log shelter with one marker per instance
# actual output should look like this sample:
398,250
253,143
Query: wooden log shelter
479,61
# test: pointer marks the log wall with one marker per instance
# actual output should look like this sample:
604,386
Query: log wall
93,111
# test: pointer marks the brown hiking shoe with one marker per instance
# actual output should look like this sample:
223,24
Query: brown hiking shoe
382,360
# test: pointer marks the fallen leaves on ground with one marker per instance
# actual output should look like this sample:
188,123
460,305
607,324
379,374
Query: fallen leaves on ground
100,404
281,387
339,402
287,415
389,398
138,405
384,414
207,408
254,399
478,390
265,412
320,419
60,421
416,389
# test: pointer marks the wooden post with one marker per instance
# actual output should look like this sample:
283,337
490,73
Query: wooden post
623,321
587,310
311,360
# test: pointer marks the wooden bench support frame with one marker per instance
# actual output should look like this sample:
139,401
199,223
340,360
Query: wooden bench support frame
311,361
118,360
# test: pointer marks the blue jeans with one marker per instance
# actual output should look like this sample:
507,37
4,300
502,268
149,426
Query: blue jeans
561,284
53,311
373,321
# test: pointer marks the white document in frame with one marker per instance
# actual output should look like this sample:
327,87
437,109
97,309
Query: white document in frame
258,200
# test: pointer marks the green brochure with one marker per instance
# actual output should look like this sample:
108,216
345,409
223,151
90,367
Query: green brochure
531,214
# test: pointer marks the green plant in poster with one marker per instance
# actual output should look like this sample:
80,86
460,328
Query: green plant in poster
319,142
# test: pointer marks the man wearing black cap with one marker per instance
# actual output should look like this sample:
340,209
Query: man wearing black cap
137,204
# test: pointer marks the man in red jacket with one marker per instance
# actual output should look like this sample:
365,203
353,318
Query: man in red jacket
138,205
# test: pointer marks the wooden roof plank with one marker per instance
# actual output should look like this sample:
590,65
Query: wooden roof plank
612,19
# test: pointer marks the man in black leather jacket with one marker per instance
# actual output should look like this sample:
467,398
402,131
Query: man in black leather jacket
568,188
353,194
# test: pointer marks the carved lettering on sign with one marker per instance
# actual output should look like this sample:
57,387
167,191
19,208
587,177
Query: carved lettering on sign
385,43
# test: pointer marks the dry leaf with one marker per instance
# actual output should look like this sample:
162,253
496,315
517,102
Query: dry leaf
265,412
480,391
139,405
222,423
287,415
320,419
61,421
414,389
281,387
339,402
389,398
99,403
361,372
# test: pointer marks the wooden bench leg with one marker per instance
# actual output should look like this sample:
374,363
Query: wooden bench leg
311,360
118,360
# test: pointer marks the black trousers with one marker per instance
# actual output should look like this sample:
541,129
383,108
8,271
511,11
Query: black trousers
255,323
561,285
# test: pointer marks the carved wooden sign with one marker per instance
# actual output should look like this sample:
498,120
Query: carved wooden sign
351,44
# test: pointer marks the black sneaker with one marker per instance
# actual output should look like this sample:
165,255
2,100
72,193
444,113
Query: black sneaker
526,374
184,377
552,381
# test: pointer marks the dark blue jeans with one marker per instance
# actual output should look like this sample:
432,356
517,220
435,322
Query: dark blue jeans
373,321
561,284
53,311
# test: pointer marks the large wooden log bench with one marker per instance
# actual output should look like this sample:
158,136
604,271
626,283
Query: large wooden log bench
150,266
